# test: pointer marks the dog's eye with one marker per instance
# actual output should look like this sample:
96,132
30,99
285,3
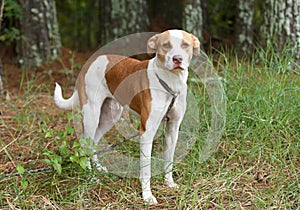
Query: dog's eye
167,45
185,45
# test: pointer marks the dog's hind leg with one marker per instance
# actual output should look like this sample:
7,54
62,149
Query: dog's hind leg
91,115
110,114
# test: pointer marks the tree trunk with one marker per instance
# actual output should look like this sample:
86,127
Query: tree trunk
244,27
39,27
122,17
281,25
195,18
1,67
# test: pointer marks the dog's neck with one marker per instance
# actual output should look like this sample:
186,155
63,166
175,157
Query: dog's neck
175,79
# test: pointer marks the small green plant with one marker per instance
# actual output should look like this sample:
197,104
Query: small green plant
78,156
53,160
21,171
67,153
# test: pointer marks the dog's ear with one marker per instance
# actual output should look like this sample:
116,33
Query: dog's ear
152,44
196,45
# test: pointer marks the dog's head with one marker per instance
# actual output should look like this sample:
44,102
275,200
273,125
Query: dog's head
174,49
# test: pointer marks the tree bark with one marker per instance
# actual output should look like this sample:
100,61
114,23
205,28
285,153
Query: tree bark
39,27
281,25
122,17
195,19
244,27
1,67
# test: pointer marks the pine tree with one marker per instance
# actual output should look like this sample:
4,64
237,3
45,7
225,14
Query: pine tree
39,29
1,67
122,17
244,27
281,25
195,18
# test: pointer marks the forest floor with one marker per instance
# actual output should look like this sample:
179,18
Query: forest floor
256,166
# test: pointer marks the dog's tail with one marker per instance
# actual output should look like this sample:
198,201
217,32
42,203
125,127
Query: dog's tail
62,103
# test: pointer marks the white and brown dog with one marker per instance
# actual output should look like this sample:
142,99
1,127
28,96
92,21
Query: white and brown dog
111,82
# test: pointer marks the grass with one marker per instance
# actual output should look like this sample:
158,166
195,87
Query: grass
256,166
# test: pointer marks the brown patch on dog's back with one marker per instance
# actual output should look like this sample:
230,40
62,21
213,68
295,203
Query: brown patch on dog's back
127,80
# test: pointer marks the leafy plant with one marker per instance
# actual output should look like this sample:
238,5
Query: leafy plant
54,160
77,153
66,155
24,181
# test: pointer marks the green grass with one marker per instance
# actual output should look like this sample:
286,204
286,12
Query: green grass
256,166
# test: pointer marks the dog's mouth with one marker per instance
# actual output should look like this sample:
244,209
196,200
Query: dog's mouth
177,67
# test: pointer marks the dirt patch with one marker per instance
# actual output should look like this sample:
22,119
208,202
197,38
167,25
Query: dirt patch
62,70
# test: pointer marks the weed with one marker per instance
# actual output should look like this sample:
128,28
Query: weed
78,153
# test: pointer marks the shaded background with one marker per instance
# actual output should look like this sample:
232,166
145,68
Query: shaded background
89,24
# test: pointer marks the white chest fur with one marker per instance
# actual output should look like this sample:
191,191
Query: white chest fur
175,80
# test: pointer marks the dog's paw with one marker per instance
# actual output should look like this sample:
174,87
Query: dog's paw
171,184
100,167
149,199
88,165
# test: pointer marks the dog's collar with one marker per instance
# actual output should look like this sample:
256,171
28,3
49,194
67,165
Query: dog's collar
172,93
166,87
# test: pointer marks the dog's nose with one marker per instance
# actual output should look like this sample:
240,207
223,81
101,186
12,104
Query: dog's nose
177,59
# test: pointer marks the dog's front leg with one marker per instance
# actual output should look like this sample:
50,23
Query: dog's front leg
145,167
171,140
176,116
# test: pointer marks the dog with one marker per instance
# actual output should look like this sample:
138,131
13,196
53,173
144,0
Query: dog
153,89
